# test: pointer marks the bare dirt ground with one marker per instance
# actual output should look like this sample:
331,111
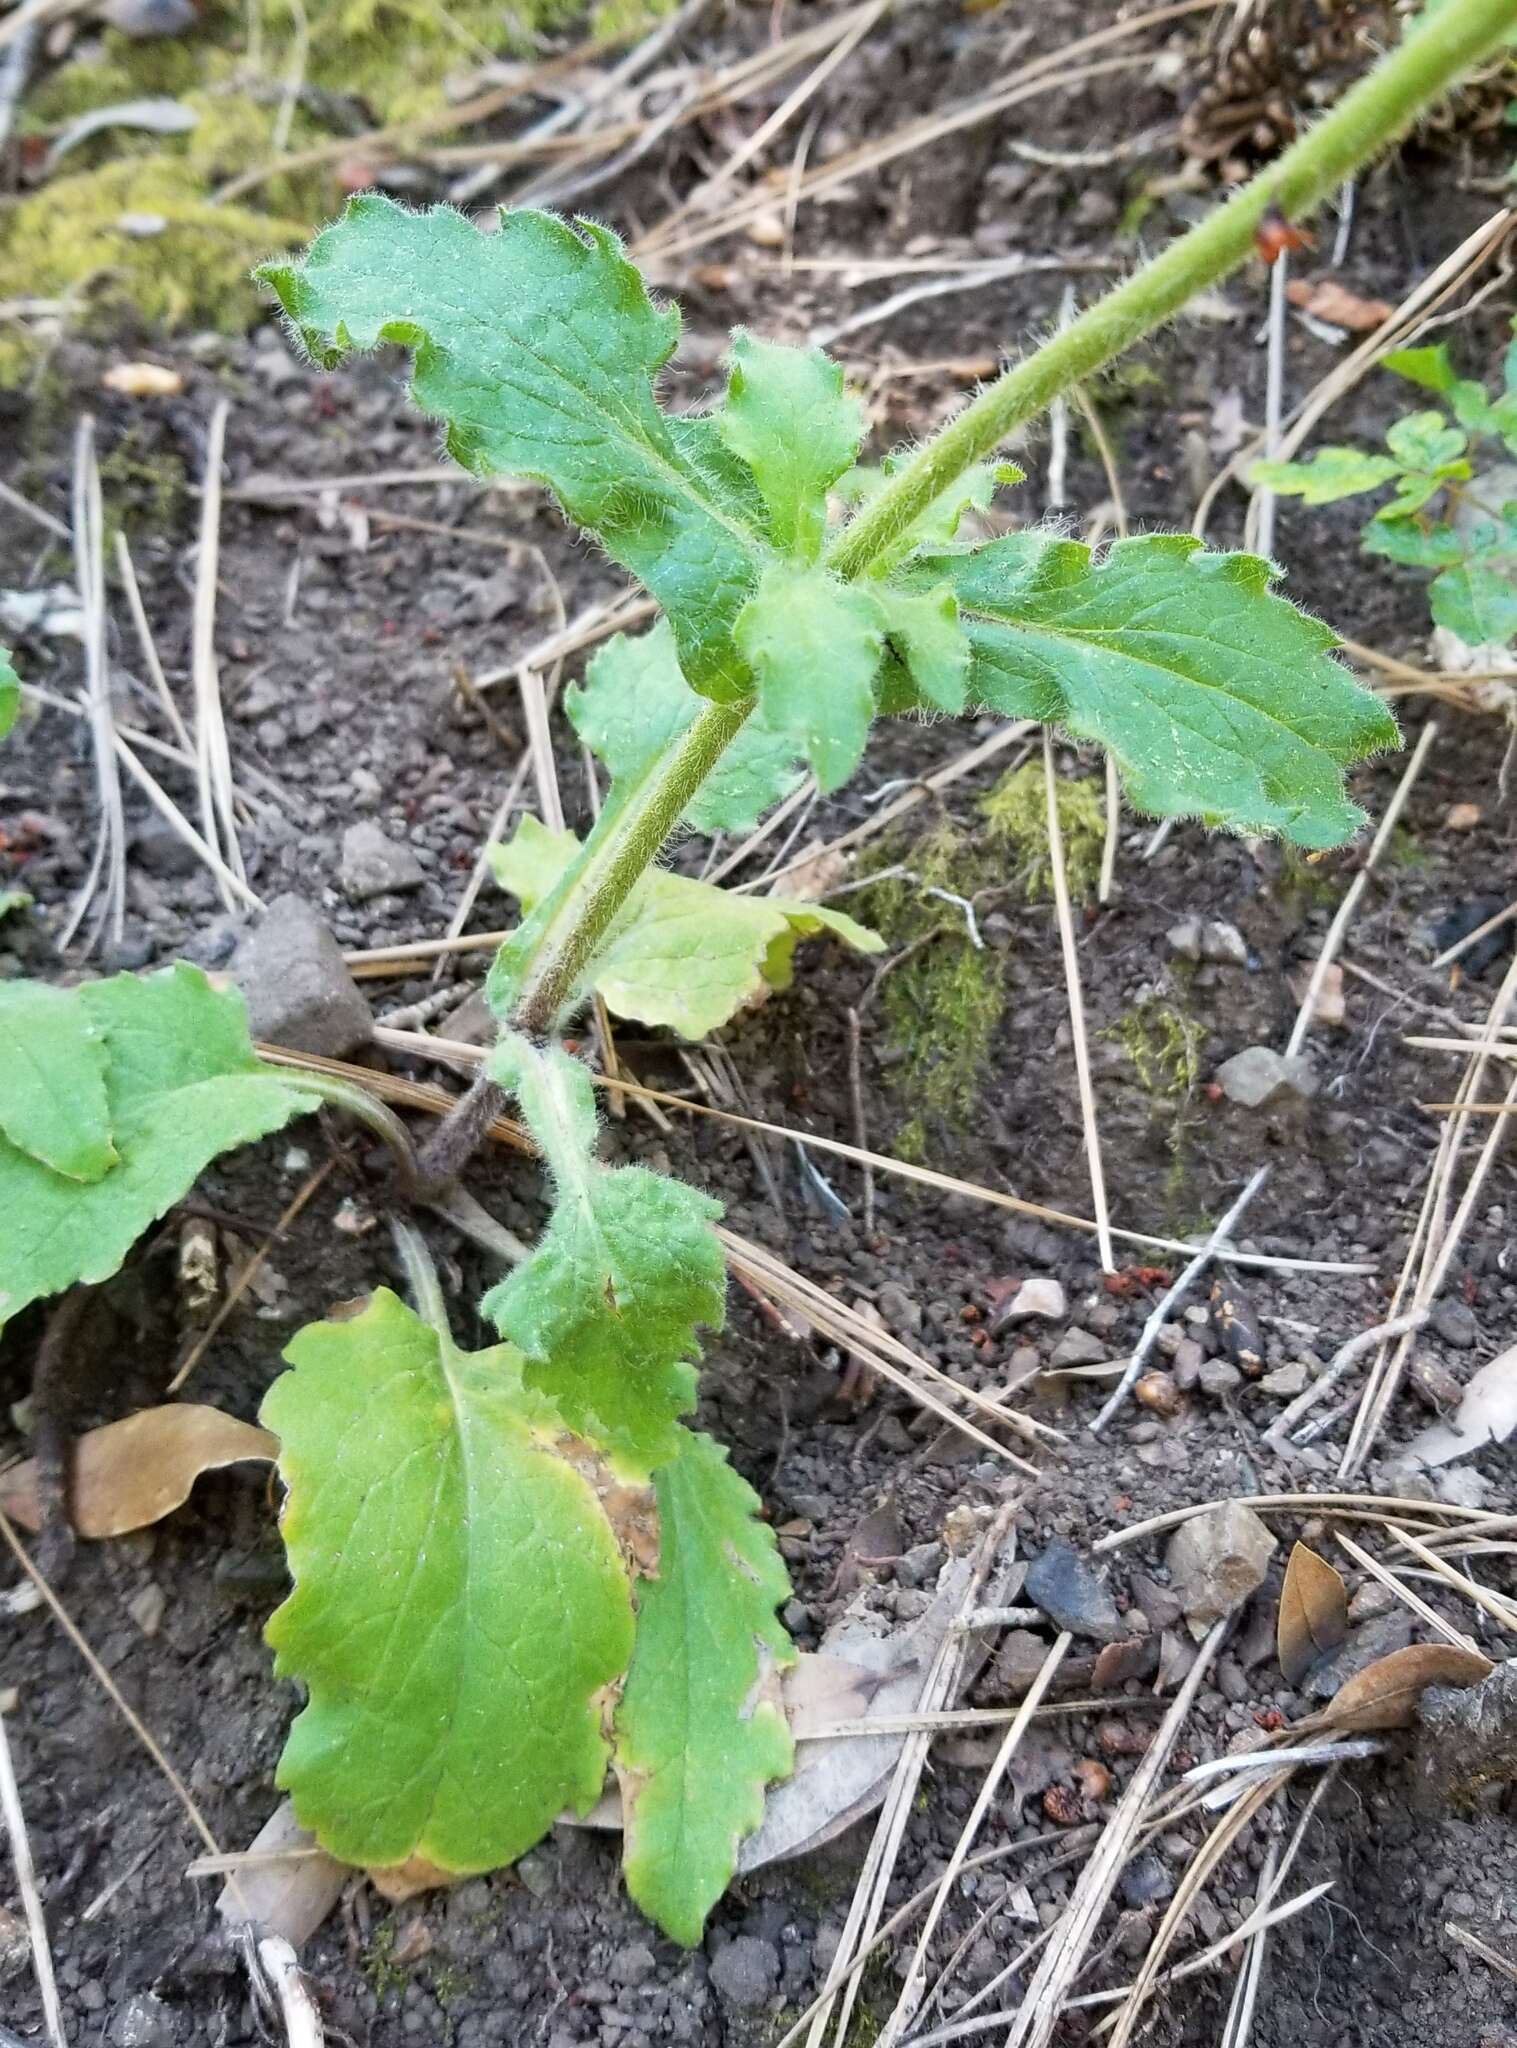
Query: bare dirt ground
346,613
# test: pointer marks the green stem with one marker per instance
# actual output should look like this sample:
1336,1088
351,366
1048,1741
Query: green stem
1368,118
557,942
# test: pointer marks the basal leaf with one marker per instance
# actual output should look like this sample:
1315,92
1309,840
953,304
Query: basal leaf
606,1309
182,1084
814,644
1432,368
695,1745
538,346
789,419
682,953
10,693
460,1600
1403,540
1478,601
52,1081
1331,474
1425,440
923,630
1217,698
634,702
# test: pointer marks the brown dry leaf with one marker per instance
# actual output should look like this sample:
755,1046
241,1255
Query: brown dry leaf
1487,1414
136,1471
1338,305
1385,1693
1313,1613
142,380
398,1882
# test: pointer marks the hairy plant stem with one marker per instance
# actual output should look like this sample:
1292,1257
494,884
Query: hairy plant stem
560,938
1366,120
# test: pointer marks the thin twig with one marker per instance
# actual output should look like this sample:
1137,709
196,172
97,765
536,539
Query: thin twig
213,761
31,1898
1279,1430
1343,916
89,568
1172,1295
1076,1001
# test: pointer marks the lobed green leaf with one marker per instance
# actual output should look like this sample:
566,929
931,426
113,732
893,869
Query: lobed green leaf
696,1743
1478,601
789,419
1331,474
634,703
1425,441
814,644
182,1084
460,1600
1217,698
682,953
538,346
606,1309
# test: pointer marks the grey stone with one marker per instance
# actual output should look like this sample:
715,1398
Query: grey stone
157,847
1078,1347
1455,1323
1207,938
1144,1881
1218,1379
298,989
745,1972
1062,1585
375,865
1259,1074
1217,1560
1286,1381
143,2021
1187,1363
1039,1296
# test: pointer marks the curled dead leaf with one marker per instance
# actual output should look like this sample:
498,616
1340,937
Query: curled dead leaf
134,1472
1336,304
398,1882
1313,1613
1385,1693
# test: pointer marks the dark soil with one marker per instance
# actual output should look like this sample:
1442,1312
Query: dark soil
339,646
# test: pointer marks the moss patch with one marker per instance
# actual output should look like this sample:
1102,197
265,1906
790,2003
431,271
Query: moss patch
942,1004
1016,820
368,63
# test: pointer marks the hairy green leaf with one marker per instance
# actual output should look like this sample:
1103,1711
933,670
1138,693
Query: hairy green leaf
52,1081
789,419
538,346
459,1603
1216,697
681,953
1331,474
923,629
10,693
182,1084
814,644
633,704
1478,601
695,1746
606,1309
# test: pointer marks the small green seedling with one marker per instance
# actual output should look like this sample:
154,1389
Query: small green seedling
1442,514
516,1567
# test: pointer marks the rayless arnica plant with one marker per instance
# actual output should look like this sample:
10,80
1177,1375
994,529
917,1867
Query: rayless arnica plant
518,1567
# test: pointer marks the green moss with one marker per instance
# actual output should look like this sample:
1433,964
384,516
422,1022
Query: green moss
1164,1046
141,486
367,63
67,240
1016,818
378,1961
